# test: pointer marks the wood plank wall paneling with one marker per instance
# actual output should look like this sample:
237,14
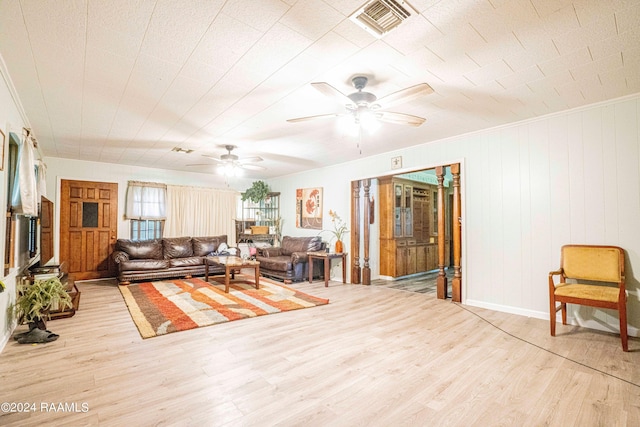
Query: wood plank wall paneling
511,212
576,203
595,175
559,178
609,164
569,178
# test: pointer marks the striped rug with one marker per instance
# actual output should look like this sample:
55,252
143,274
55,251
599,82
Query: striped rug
162,307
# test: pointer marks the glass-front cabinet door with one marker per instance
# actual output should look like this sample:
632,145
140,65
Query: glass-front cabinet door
408,210
397,210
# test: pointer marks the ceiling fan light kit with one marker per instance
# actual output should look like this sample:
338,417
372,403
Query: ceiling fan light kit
365,107
230,165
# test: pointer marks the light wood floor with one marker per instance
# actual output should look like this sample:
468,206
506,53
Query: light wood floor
374,356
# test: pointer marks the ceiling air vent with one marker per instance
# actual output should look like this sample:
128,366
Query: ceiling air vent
378,17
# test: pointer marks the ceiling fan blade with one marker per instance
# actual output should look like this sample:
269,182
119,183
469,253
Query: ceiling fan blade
405,95
208,156
253,167
321,116
253,159
200,164
399,118
330,91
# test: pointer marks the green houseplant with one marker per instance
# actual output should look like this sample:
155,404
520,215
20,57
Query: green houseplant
257,192
33,304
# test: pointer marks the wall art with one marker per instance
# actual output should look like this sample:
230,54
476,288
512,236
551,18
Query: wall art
309,208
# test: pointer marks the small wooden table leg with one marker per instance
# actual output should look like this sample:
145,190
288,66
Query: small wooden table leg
327,269
344,268
227,278
206,271
310,268
257,270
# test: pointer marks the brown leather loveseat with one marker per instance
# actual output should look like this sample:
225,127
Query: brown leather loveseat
163,258
290,260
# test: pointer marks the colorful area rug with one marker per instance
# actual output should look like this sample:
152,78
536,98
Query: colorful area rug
162,307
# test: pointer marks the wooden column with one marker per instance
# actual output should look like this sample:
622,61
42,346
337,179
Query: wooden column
456,283
355,232
366,271
441,283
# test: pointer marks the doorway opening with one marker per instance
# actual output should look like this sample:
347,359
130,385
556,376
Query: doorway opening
419,230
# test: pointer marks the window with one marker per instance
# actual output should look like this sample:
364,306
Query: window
145,208
146,229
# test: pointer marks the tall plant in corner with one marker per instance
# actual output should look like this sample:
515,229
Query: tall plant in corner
257,192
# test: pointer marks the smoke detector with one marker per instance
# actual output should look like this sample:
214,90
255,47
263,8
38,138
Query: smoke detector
378,17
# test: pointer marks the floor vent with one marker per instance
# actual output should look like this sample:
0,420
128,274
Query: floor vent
378,17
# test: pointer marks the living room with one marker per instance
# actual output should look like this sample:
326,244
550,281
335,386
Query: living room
563,172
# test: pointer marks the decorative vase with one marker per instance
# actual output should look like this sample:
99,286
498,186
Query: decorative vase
339,246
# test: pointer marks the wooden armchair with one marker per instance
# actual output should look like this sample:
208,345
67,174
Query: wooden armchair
592,264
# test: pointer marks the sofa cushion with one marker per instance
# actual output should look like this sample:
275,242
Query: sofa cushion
280,263
141,249
185,262
203,246
300,244
177,247
144,265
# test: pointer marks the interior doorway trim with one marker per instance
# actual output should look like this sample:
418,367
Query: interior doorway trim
456,226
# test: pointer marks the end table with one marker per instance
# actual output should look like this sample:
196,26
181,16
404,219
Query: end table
326,258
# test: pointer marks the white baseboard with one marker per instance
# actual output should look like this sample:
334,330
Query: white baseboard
585,323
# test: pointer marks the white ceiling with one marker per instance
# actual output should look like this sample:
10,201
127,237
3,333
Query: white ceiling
123,81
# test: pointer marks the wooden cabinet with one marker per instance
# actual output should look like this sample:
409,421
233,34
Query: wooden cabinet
421,212
396,209
421,258
433,212
408,227
405,258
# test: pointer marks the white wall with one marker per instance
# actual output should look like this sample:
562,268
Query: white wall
528,188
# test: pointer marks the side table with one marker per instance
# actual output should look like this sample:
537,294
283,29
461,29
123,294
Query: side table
326,258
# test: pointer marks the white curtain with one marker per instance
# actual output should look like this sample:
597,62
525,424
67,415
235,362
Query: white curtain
146,200
25,192
41,178
197,211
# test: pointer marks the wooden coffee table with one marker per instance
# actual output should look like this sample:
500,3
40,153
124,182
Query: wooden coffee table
231,264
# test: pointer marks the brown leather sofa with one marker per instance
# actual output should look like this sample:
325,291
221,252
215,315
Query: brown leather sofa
289,262
163,258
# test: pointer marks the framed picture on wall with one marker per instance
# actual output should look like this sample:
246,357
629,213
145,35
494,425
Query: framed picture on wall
2,150
309,208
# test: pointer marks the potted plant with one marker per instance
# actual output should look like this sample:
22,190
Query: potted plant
33,304
257,192
339,230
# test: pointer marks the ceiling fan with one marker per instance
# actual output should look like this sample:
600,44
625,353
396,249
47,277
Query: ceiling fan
362,105
231,164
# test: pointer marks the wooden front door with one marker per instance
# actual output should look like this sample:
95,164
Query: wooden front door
88,227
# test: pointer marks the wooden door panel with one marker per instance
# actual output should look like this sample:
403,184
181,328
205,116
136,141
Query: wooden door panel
88,227
102,250
106,215
74,259
90,256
